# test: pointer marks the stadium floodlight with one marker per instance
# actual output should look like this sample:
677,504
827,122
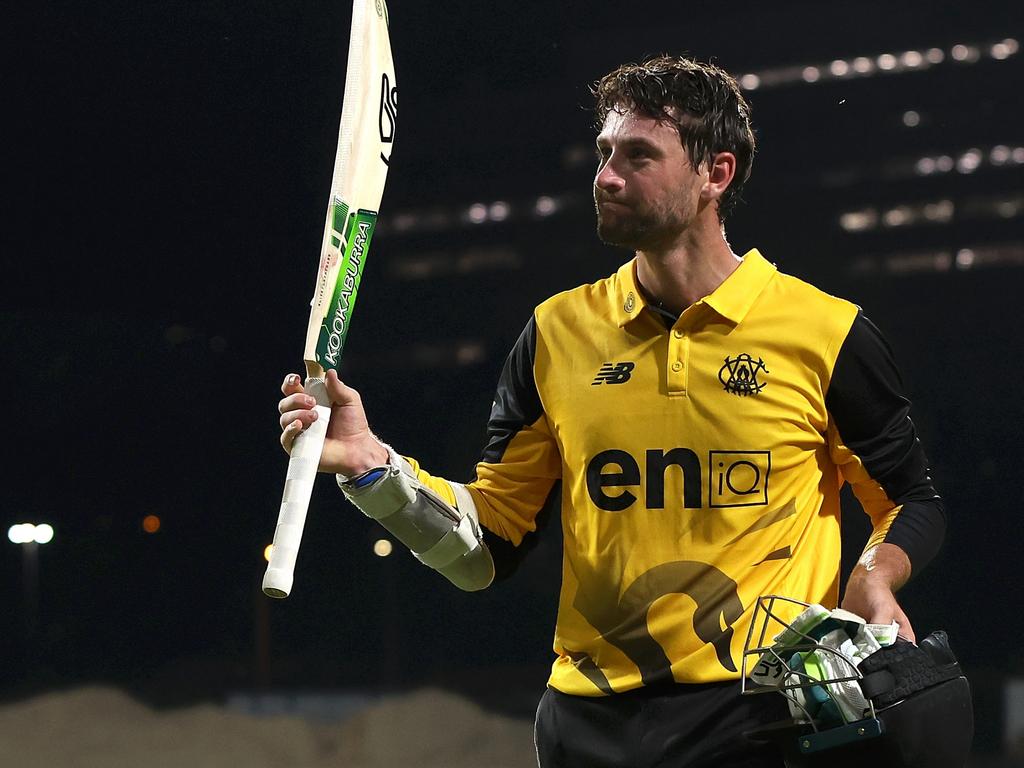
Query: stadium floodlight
29,533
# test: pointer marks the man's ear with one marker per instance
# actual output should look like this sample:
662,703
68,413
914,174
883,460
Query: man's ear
721,170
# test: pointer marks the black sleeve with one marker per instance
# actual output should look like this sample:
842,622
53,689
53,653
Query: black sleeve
516,405
506,555
516,401
872,417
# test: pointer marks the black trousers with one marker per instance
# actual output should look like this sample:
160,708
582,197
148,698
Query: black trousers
676,726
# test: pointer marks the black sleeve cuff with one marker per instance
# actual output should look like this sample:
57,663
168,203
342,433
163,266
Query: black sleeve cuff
918,530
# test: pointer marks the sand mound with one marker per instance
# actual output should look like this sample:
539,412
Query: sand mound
106,728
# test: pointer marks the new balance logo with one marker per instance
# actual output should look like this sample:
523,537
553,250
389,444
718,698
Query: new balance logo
613,373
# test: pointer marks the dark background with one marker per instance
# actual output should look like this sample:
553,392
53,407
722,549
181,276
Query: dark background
167,167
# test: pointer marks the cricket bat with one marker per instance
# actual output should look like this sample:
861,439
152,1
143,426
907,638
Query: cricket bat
368,121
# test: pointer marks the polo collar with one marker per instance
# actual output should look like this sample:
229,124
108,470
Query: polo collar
732,299
737,294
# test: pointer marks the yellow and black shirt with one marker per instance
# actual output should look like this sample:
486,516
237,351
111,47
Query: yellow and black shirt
700,461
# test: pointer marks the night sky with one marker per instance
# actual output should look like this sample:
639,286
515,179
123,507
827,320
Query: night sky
167,167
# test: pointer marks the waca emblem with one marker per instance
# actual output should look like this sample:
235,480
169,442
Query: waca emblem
739,375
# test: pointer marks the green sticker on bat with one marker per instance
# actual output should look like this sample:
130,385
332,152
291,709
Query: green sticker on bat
334,329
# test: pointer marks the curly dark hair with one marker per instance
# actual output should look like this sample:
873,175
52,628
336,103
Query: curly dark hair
711,114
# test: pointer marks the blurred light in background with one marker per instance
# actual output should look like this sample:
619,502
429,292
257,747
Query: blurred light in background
1003,50
151,523
885,63
266,552
896,217
967,53
942,211
27,533
750,81
545,206
498,211
477,213
863,65
969,161
838,68
858,221
940,260
382,548
440,219
911,59
431,264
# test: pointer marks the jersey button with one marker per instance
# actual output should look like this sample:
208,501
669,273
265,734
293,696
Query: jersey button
677,366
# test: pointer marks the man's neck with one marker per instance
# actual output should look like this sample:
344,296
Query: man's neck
686,272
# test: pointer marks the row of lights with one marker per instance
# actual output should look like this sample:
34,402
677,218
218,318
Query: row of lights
867,66
25,533
970,160
943,260
477,213
965,162
29,533
933,212
499,211
432,264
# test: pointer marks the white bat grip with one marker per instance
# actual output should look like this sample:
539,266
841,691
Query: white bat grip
298,486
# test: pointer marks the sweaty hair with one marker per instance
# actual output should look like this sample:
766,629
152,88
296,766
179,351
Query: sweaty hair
710,113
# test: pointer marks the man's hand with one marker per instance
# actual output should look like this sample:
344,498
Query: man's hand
350,447
870,593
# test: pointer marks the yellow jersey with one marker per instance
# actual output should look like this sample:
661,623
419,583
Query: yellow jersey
700,461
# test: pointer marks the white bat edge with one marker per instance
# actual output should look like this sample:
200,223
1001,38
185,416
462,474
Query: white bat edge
298,487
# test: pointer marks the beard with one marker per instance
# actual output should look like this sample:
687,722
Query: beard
639,230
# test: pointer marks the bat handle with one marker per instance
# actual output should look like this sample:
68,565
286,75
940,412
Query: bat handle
298,486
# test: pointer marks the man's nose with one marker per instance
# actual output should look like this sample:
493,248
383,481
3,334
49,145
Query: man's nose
607,179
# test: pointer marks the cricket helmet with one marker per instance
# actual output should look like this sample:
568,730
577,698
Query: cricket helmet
900,706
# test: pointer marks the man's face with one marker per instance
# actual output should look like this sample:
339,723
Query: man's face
645,191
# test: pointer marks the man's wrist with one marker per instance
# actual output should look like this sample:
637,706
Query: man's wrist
375,455
884,564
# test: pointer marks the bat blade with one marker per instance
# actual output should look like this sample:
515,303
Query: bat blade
365,137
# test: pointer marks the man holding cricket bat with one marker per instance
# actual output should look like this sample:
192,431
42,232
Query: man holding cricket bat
702,411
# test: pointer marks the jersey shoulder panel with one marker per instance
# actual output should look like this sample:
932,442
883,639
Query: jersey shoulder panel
575,303
823,319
